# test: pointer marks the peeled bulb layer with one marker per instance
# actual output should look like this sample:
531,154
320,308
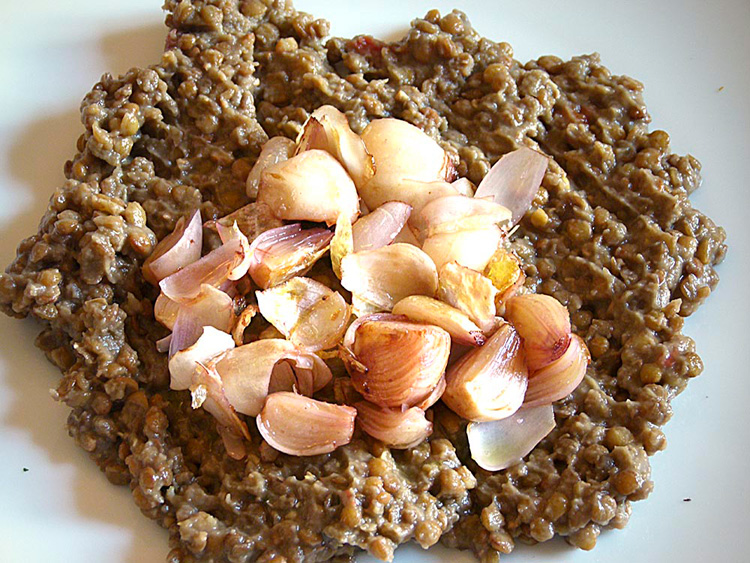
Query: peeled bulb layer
560,378
280,254
399,147
384,276
488,383
499,444
417,194
427,310
276,149
207,392
406,235
252,220
308,313
212,308
233,233
185,332
469,291
395,428
328,129
214,268
514,180
434,395
183,365
302,426
175,251
351,332
247,372
242,322
312,186
471,248
401,152
397,363
454,213
342,243
464,186
544,325
313,136
165,311
381,226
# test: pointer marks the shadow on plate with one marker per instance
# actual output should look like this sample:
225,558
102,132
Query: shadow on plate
37,157
35,160
27,377
138,47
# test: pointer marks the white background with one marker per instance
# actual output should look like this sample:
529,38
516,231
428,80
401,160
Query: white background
693,57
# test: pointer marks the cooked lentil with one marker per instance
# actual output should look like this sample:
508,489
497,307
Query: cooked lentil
612,235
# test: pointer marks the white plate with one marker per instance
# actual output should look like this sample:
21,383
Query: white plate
693,58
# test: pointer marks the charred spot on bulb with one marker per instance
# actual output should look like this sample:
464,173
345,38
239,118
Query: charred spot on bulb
561,345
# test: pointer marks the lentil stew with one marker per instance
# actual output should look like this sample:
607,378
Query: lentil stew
611,234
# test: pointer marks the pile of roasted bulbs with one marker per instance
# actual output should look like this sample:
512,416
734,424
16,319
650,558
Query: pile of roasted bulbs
415,294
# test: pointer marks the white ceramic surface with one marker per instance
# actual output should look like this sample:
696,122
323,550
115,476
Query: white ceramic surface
693,58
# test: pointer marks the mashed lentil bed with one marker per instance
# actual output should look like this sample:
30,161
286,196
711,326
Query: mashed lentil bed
611,234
